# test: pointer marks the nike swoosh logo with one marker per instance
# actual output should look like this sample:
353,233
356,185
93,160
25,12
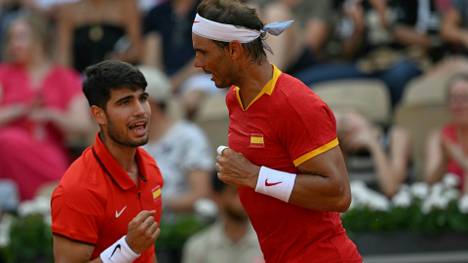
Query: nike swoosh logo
115,250
118,213
271,184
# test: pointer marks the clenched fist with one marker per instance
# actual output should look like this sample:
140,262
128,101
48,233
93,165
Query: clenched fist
143,230
233,168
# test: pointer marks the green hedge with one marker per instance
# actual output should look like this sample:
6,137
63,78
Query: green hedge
31,239
410,219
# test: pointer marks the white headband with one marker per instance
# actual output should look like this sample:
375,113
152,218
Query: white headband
226,32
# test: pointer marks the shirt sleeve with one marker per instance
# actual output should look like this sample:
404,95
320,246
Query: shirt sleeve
76,214
309,129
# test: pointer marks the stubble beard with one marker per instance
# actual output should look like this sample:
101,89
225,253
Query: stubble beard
117,138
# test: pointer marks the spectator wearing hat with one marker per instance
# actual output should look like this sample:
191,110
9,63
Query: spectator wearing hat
180,148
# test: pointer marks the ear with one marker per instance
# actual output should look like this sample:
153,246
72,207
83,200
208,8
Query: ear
236,50
98,114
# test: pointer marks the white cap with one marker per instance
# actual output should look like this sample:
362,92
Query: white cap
159,86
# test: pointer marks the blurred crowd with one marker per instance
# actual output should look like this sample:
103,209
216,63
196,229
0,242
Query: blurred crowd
415,50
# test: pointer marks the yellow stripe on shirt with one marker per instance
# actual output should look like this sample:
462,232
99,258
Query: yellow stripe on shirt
316,152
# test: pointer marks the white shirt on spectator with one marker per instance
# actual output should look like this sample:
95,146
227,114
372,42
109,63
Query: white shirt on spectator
183,148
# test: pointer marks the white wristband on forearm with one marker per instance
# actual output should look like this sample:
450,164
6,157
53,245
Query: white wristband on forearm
119,252
275,183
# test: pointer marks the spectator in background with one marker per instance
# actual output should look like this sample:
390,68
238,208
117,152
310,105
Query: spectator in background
455,26
40,105
180,148
356,134
447,148
417,24
47,8
299,47
231,239
8,9
90,31
168,47
355,57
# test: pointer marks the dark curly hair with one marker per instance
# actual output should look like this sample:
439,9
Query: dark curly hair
109,75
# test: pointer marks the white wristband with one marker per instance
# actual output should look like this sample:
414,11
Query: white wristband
119,252
275,183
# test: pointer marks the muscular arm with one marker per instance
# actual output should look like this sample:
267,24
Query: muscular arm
69,251
323,183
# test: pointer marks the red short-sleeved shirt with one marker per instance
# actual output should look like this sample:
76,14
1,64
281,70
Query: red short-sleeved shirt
96,199
284,126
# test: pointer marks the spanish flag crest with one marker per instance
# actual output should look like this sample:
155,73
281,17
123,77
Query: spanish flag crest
156,192
257,140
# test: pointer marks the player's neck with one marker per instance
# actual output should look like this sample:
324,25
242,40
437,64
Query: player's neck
125,155
254,79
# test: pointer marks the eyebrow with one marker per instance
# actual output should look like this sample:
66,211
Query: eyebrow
123,99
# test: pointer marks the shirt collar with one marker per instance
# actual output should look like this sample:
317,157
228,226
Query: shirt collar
267,89
113,168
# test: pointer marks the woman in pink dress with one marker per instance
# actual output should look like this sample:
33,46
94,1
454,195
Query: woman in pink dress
40,106
448,148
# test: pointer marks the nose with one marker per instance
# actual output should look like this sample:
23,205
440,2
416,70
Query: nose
140,108
197,62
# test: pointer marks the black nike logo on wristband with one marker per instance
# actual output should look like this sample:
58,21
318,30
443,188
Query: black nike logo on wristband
115,250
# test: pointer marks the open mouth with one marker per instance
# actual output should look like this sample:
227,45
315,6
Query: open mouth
139,128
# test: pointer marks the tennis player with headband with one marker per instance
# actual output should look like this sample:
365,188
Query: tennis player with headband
283,152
